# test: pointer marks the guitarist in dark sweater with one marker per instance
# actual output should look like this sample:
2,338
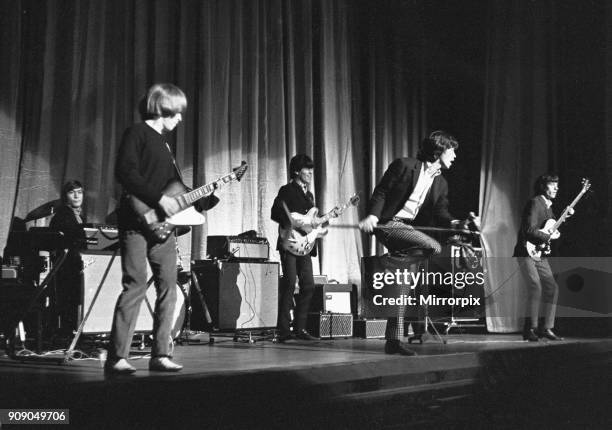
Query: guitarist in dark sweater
295,197
145,165
543,289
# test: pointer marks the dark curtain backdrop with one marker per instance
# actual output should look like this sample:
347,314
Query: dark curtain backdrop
522,84
265,80
544,112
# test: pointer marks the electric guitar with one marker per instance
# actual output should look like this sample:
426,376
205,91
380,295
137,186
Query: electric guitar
306,229
550,226
158,226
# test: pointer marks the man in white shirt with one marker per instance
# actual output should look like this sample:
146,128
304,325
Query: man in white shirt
411,192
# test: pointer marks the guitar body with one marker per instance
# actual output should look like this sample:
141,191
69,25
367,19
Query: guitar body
298,243
536,251
306,221
156,224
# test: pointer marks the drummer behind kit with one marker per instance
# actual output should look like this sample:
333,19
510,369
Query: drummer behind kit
101,271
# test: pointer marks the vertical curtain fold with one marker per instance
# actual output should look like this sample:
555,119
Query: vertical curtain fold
517,138
265,79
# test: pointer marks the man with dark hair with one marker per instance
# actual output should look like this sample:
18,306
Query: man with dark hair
543,289
411,192
69,219
295,197
145,166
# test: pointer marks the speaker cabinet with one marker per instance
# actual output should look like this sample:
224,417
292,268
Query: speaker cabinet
370,328
329,325
239,295
104,268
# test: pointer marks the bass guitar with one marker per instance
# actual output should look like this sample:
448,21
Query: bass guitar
551,226
158,226
306,229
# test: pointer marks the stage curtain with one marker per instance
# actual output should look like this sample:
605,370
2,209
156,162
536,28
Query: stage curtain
518,142
265,79
10,124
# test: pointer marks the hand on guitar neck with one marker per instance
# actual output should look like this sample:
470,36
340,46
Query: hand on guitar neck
300,237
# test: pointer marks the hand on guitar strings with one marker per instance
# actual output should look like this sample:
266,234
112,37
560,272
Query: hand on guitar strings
169,205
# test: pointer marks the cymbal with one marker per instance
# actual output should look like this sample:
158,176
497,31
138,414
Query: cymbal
43,210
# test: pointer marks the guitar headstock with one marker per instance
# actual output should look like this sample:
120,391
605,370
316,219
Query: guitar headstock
240,170
586,184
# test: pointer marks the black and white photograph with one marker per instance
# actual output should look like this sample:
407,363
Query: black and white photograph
308,214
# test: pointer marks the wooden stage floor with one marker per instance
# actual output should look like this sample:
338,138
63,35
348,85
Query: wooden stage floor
475,381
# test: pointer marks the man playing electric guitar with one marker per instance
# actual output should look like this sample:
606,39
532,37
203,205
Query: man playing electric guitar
543,289
145,166
295,197
301,238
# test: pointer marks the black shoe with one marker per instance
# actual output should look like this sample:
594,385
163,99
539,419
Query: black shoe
118,367
397,347
304,335
548,334
163,364
530,335
282,338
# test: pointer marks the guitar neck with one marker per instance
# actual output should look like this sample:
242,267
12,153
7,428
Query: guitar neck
205,190
333,213
563,216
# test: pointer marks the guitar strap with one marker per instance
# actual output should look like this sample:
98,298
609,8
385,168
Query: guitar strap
176,168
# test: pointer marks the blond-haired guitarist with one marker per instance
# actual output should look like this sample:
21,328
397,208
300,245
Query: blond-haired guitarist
144,167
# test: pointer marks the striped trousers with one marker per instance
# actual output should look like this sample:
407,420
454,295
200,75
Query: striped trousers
401,238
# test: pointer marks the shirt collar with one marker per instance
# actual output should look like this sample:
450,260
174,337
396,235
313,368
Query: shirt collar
304,187
432,169
547,202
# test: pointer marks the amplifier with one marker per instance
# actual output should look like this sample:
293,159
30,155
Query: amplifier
238,248
370,328
335,298
102,238
240,295
329,325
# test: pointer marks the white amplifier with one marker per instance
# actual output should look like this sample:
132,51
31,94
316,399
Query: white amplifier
238,248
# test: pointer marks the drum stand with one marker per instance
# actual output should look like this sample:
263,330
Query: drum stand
427,322
16,330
